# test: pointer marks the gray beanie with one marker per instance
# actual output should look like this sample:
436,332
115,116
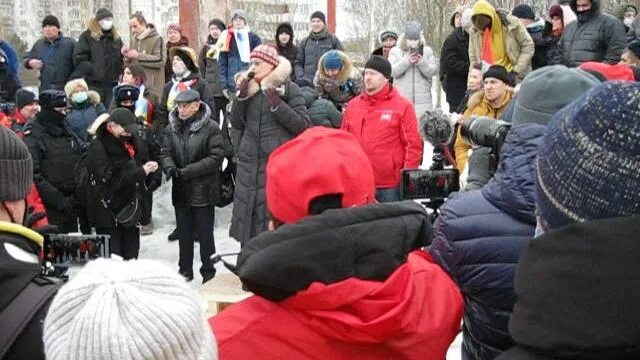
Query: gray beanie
412,30
135,309
16,167
241,14
547,90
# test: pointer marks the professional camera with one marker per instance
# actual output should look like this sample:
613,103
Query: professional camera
6,107
484,131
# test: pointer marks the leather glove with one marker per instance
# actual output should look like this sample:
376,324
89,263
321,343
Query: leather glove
173,173
273,98
243,88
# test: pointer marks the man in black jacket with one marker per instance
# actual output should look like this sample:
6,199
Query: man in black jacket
52,56
454,63
55,150
97,55
319,41
192,153
117,160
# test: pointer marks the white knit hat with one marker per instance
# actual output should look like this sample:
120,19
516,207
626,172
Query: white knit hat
136,309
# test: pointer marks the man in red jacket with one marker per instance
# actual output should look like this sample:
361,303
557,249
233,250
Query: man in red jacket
338,276
385,124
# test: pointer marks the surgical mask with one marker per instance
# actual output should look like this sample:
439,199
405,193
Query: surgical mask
179,69
79,97
106,24
628,21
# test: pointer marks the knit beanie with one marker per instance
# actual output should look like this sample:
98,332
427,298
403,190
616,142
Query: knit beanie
175,27
239,13
412,30
70,87
634,47
379,64
319,15
547,90
293,182
103,13
218,23
135,309
16,167
523,11
587,164
555,10
266,53
498,72
388,34
51,20
24,97
332,60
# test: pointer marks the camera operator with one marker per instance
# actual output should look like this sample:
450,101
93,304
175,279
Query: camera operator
490,102
480,234
27,108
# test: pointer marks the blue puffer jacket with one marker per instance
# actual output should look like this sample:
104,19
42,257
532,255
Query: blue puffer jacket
229,63
478,240
81,116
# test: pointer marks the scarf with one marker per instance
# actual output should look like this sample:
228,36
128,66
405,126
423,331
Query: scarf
142,107
244,47
178,87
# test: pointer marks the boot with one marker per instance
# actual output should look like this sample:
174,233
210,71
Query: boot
174,235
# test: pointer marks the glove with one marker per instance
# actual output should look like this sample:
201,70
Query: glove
243,88
173,173
273,98
32,218
513,78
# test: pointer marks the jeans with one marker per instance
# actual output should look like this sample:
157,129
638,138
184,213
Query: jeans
196,220
388,195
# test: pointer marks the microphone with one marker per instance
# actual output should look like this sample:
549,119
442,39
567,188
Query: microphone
436,127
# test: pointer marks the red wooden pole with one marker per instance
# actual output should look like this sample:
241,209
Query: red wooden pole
331,15
189,19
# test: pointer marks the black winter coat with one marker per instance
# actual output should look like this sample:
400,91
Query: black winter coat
311,49
57,59
599,38
55,150
454,66
208,66
262,131
116,174
9,85
194,147
578,293
546,46
479,237
97,55
288,50
161,115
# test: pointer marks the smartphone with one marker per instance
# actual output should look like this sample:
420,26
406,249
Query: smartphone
429,184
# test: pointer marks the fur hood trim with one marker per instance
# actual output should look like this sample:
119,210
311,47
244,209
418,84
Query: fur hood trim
345,72
96,31
275,78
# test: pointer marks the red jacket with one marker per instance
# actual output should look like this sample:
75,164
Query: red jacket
414,314
386,125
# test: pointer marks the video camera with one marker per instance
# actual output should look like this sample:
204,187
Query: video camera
6,107
484,131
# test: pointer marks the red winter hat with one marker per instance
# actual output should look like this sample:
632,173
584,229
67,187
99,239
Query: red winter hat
610,72
266,53
320,161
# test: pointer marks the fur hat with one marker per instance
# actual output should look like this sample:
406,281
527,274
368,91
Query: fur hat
187,55
70,86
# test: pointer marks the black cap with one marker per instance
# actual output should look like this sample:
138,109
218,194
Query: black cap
103,13
523,11
379,64
50,99
126,92
319,15
51,20
498,72
187,96
25,97
124,118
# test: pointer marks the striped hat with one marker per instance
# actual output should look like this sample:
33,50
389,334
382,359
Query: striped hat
587,165
266,53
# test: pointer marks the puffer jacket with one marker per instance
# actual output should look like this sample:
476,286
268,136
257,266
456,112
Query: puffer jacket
97,56
348,284
596,37
413,81
322,112
572,283
261,131
288,50
81,116
454,66
518,44
151,56
347,84
194,147
57,60
117,175
311,49
479,237
229,62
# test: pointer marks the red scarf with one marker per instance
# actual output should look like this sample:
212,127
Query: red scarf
130,149
487,52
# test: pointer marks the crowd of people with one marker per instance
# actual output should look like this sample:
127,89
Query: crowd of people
534,257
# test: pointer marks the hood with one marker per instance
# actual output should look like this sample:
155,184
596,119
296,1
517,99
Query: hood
578,292
97,123
204,113
276,78
619,10
281,27
595,6
482,7
367,243
345,72
512,188
96,31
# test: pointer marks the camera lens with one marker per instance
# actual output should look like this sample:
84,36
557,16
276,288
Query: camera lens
484,131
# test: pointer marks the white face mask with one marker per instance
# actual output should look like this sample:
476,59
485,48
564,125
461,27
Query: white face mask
628,21
106,24
179,69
